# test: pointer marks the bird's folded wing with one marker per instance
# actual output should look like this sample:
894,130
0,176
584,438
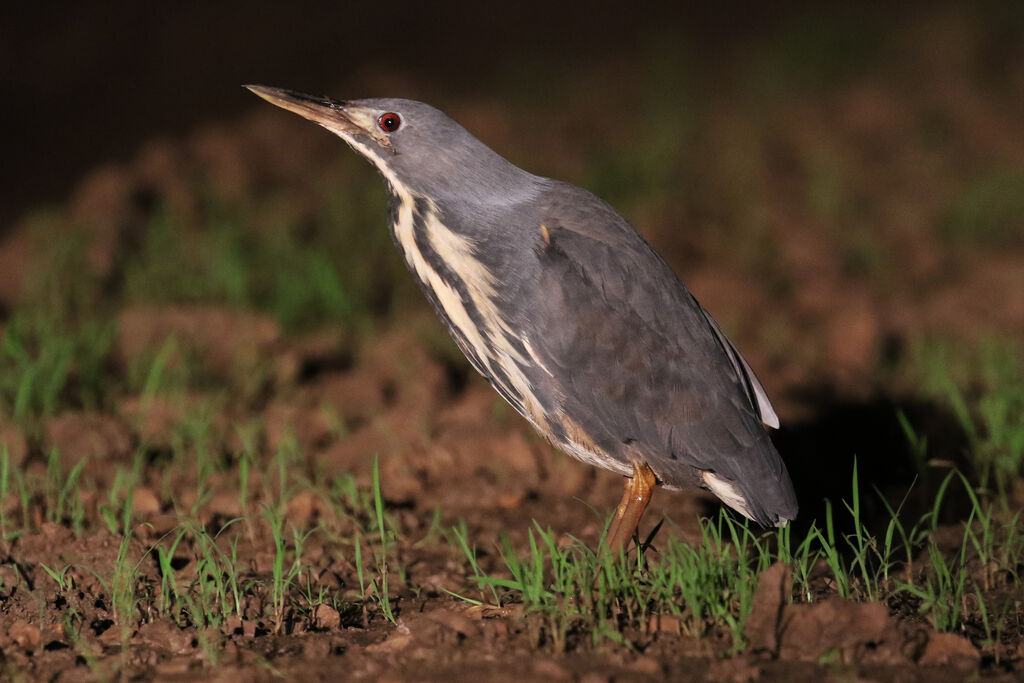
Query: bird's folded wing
640,362
756,393
597,227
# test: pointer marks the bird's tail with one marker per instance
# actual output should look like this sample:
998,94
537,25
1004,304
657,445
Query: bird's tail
763,491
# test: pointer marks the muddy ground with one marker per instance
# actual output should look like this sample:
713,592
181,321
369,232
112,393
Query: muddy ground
831,258
447,453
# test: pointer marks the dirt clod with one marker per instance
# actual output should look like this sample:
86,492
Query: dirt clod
26,636
950,649
664,623
165,636
144,501
456,621
112,637
809,632
765,621
326,616
88,435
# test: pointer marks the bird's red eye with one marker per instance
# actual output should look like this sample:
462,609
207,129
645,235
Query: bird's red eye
389,122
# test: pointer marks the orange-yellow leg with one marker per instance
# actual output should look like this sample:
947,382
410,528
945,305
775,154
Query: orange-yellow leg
635,497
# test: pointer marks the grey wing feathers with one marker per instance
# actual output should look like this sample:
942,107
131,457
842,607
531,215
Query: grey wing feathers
641,366
756,393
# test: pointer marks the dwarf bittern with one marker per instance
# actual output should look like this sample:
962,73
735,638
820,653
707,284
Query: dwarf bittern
569,314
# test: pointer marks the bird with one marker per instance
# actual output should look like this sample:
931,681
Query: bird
570,315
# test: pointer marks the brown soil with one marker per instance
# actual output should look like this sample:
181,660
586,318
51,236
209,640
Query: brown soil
440,448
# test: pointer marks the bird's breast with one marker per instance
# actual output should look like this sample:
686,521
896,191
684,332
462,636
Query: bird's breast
465,293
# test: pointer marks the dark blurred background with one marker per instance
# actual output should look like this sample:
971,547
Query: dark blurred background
88,82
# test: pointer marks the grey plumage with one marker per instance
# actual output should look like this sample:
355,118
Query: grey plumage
569,313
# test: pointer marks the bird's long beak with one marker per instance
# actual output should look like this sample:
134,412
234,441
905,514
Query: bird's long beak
341,118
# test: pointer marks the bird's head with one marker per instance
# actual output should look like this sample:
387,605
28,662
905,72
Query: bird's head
415,146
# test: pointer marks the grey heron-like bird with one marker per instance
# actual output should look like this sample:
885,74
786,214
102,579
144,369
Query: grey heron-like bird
569,314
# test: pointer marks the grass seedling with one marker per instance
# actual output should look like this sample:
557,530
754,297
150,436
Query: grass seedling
942,590
202,617
833,557
918,444
169,593
359,574
217,590
985,391
116,511
243,475
59,577
863,544
47,362
460,535
84,649
575,590
66,493
122,587
155,375
5,481
382,561
803,560
283,572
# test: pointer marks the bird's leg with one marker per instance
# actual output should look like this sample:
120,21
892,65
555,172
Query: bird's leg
635,497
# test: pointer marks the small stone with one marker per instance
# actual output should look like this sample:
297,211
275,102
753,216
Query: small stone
511,501
326,616
111,637
302,507
144,501
163,635
664,623
26,635
225,503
